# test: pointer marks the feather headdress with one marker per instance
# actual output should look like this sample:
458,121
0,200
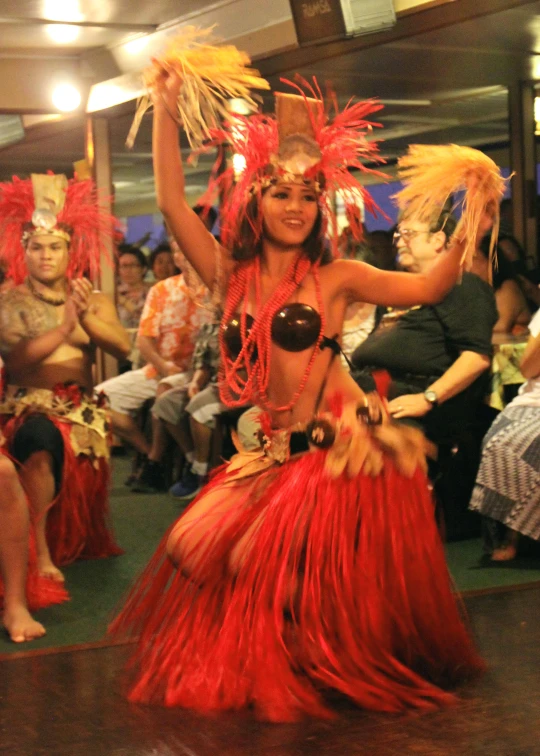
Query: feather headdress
309,141
50,204
434,173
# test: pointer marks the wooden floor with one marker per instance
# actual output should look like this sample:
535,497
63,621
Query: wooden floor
69,703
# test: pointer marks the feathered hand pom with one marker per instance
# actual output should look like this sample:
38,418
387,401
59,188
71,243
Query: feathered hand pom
433,173
211,75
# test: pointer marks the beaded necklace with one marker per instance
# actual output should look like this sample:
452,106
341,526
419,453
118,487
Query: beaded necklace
247,376
54,301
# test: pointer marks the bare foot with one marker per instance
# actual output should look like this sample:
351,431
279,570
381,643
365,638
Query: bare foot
48,570
504,553
21,626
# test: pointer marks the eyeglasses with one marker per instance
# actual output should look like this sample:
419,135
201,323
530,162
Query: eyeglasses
406,234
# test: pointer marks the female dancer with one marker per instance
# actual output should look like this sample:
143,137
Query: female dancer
298,571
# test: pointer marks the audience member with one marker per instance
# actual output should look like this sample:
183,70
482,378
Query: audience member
161,262
131,290
382,250
512,308
189,415
434,354
130,296
507,490
187,412
349,247
166,337
507,244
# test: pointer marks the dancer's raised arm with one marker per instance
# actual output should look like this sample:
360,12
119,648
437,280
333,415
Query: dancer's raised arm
194,239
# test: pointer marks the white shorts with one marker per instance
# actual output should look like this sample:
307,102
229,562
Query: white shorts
205,406
174,405
129,391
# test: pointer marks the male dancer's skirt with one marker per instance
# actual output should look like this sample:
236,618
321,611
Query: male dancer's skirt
78,519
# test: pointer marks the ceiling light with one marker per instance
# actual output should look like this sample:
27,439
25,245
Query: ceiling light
66,97
134,46
62,10
63,34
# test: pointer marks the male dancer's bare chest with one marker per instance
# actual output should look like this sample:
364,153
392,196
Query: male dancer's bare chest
41,317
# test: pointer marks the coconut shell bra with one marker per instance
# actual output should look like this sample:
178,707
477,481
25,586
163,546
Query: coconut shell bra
295,327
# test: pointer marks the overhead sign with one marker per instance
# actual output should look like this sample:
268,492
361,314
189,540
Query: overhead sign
318,20
324,20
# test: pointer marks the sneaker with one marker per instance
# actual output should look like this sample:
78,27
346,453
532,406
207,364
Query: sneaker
151,479
188,486
138,464
131,479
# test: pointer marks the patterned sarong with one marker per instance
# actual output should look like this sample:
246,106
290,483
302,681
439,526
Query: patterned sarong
508,483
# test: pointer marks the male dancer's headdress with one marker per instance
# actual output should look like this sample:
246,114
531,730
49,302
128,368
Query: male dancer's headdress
52,205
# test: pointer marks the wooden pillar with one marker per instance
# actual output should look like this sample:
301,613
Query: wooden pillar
98,155
523,164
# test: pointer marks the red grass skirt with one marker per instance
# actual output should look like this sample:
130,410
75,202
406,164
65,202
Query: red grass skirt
78,519
344,588
40,591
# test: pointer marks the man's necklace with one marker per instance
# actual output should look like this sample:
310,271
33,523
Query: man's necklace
54,301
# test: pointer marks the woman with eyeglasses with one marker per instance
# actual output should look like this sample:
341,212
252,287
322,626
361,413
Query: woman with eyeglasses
131,294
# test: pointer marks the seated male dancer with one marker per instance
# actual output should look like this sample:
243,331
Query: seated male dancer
51,232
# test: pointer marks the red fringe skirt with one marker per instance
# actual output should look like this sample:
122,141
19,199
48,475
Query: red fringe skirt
342,587
40,591
78,519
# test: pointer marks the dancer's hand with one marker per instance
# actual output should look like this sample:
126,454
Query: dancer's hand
373,411
71,317
81,291
166,85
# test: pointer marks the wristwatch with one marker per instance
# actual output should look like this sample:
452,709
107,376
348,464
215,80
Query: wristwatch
431,397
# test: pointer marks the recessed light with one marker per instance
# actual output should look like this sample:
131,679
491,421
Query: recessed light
66,97
63,34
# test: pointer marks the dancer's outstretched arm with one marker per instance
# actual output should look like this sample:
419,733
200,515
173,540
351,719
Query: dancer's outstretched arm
364,283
